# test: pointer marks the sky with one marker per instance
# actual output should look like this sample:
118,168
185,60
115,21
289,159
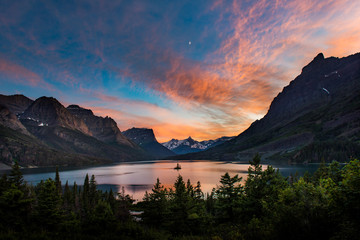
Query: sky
199,68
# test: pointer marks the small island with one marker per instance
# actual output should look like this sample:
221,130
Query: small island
178,167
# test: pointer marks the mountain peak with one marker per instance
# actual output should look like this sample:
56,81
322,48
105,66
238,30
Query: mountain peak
73,106
137,135
17,103
314,64
318,57
50,112
145,138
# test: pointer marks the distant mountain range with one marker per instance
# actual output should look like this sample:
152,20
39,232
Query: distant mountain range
190,145
315,118
145,138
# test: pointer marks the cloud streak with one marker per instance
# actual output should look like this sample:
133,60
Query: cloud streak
15,73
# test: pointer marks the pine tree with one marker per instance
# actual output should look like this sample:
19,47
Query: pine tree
228,193
85,197
15,201
198,192
156,206
112,200
189,189
58,181
93,196
180,208
67,197
49,205
76,197
16,176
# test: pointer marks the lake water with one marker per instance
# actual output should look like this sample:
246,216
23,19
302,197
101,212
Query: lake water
138,177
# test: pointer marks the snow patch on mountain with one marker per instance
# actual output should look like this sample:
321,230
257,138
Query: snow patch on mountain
190,145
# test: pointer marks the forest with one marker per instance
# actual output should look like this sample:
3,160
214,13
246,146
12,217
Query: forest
266,205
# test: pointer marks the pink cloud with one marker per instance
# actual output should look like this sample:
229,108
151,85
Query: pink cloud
22,75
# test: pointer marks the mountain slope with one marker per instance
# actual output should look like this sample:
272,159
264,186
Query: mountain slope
145,138
316,117
30,152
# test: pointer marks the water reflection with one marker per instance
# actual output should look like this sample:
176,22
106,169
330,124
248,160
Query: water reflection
136,178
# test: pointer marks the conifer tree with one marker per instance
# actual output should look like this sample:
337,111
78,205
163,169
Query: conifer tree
189,189
85,196
180,207
49,207
58,181
156,210
15,200
92,192
67,197
229,193
76,197
198,194
16,176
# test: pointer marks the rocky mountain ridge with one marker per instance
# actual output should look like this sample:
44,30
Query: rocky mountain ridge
103,129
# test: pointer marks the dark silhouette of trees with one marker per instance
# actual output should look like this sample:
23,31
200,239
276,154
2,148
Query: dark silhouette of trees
266,205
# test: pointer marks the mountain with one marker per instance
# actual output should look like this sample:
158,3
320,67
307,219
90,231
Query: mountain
15,103
103,129
316,117
145,138
47,111
190,145
48,134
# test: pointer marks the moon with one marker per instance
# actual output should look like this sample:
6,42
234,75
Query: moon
189,42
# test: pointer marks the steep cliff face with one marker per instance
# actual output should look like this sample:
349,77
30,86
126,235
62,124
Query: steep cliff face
145,138
15,103
319,82
103,129
315,117
47,111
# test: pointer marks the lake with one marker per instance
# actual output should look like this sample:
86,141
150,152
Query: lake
138,177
